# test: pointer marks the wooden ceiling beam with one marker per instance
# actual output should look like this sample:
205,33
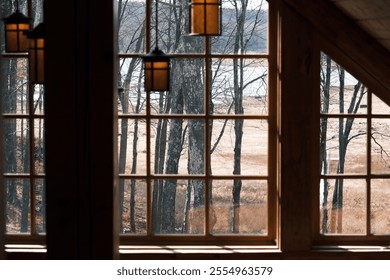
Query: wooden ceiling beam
348,44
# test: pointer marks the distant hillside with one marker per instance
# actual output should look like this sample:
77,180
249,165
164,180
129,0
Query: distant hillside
255,39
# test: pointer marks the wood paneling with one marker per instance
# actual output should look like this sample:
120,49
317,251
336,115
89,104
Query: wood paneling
365,9
366,58
372,15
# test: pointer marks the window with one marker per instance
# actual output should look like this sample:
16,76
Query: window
24,141
354,155
198,161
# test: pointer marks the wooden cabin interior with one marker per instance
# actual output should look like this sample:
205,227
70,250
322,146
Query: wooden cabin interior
81,88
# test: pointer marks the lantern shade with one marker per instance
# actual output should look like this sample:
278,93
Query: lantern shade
15,28
157,71
205,17
37,54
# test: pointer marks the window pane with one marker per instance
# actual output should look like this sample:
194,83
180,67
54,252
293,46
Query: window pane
173,19
244,28
240,86
39,146
15,97
17,206
341,93
186,95
131,95
178,207
239,207
40,206
132,146
132,203
380,146
131,35
343,146
239,147
38,108
380,206
378,106
16,146
343,206
178,146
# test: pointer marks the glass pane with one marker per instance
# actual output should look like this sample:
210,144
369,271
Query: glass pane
38,108
239,207
240,86
239,147
343,206
15,95
132,146
341,93
16,146
132,206
249,37
40,206
378,106
17,206
177,146
131,95
343,146
173,29
178,207
131,35
380,146
380,206
39,146
186,95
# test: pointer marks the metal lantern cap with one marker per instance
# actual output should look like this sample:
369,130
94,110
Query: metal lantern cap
17,17
156,54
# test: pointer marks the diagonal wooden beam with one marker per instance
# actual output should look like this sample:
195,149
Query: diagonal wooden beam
348,44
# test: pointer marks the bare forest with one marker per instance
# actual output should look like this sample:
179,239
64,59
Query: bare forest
354,132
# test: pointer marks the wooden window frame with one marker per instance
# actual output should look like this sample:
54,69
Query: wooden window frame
30,117
209,239
367,239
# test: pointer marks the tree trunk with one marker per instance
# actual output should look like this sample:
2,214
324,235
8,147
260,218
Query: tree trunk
172,165
159,162
344,138
124,100
323,144
24,224
238,80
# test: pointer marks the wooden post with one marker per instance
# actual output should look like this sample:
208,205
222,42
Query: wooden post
81,130
299,133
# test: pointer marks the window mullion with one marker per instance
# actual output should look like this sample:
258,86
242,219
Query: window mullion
31,155
207,137
369,169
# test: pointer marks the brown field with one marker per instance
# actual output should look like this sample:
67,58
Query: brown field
252,213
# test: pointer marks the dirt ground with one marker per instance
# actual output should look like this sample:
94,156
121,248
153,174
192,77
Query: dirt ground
253,210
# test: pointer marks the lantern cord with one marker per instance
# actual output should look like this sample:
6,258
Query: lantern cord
156,26
17,5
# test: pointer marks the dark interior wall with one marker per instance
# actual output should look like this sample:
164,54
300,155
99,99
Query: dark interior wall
81,127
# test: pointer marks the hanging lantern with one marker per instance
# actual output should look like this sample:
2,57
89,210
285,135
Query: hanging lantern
156,69
15,28
157,66
205,17
36,54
